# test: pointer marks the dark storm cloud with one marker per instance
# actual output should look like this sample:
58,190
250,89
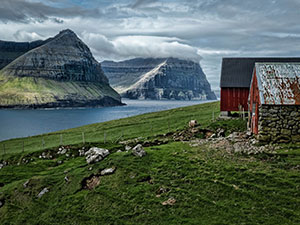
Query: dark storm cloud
26,12
142,3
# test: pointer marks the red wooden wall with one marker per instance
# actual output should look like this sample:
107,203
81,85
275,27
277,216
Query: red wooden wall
231,98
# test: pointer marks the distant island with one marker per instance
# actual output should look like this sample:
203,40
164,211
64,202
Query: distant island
158,78
58,72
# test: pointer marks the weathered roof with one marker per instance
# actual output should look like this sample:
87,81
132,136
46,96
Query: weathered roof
237,72
278,83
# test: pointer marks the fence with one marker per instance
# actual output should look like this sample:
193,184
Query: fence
105,136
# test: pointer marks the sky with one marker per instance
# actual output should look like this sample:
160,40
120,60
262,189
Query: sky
200,30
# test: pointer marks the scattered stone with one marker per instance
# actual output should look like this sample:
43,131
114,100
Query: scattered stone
96,154
81,152
162,190
119,150
44,191
193,123
91,168
127,148
139,151
107,171
59,162
62,150
220,132
67,179
25,185
91,182
1,166
170,201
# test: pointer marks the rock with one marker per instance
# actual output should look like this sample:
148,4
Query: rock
107,171
44,191
162,190
96,154
170,201
91,183
119,151
127,148
67,179
1,166
25,185
159,78
139,151
193,123
90,168
220,132
81,152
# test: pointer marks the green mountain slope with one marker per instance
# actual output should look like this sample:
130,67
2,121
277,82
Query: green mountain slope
60,73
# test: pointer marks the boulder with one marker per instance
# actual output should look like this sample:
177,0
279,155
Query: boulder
139,151
107,171
96,154
44,191
170,201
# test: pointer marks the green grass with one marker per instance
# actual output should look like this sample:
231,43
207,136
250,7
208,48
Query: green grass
31,90
145,126
210,186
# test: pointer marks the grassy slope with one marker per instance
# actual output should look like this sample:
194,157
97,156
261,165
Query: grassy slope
30,90
210,187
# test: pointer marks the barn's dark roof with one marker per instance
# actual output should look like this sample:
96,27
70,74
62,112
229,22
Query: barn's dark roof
237,72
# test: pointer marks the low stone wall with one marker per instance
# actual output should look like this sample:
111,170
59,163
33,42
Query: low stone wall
279,123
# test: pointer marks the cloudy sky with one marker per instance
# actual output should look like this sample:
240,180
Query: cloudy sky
200,30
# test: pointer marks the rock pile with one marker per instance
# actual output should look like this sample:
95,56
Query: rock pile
139,151
95,154
237,142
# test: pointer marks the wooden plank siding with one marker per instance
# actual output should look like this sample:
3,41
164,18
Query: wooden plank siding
231,98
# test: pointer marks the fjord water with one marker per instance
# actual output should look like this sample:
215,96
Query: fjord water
23,123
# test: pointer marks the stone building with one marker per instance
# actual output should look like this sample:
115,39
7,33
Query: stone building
274,102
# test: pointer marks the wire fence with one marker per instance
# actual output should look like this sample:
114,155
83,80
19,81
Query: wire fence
109,136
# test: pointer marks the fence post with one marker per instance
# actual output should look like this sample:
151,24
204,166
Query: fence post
83,139
213,116
43,143
4,149
23,146
61,139
104,137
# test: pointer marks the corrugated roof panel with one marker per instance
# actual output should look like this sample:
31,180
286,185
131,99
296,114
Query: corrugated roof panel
279,83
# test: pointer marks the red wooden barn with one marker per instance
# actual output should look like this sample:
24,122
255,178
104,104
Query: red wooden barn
236,75
275,101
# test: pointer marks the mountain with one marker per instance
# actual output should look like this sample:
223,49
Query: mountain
158,78
10,50
61,72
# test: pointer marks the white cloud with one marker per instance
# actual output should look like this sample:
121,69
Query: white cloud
27,36
125,47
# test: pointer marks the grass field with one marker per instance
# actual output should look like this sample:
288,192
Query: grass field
210,186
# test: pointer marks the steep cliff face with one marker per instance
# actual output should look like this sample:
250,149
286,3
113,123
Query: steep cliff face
10,50
62,72
163,78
